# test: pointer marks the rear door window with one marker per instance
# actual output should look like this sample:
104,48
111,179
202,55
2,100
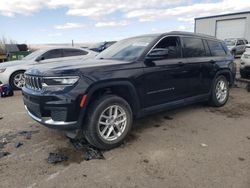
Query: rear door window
216,48
193,47
73,52
57,53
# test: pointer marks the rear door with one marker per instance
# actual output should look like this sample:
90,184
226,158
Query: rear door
241,45
195,53
217,55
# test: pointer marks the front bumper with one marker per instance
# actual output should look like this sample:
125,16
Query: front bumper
53,111
4,78
50,122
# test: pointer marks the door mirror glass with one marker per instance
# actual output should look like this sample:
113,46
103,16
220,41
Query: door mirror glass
158,53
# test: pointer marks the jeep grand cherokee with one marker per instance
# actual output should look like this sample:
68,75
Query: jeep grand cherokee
132,78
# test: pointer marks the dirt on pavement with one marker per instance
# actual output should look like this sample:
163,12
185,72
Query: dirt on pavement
195,146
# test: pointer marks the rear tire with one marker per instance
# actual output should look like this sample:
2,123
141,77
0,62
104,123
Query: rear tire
108,122
220,92
17,80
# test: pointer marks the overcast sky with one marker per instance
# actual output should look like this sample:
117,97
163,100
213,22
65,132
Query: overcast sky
60,21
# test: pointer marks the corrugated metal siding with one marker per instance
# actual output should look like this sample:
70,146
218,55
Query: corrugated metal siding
208,25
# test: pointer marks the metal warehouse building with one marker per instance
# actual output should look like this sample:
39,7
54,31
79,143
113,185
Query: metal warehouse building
236,25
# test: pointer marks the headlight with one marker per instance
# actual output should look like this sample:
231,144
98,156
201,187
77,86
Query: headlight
2,70
59,81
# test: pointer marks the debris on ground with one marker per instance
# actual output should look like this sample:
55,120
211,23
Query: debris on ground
27,134
241,159
6,90
248,137
4,140
18,144
248,87
1,117
79,144
204,145
168,118
56,158
157,125
3,154
89,151
92,153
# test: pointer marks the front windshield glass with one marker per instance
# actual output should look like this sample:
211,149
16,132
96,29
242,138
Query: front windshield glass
33,55
97,45
230,42
128,49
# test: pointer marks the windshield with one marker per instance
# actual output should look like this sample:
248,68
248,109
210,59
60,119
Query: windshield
128,49
33,55
230,42
97,45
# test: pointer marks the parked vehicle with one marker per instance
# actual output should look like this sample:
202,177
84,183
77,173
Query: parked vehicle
245,63
236,45
131,79
12,72
99,47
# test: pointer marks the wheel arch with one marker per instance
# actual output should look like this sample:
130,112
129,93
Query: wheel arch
123,88
21,70
228,75
16,71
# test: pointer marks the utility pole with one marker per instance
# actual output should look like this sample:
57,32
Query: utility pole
72,43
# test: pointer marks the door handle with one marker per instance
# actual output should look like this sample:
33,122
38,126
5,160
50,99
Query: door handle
212,61
180,63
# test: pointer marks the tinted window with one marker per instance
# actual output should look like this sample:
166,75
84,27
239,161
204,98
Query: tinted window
193,47
216,48
240,42
73,52
206,48
53,54
127,49
173,46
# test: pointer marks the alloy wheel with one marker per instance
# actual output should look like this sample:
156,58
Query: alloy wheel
112,123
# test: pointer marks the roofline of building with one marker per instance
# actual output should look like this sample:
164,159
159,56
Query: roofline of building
230,14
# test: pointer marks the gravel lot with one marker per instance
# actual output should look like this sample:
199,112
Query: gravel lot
196,146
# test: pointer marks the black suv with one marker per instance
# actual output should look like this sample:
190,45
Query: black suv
132,78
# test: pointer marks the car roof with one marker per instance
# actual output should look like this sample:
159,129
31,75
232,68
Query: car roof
235,39
184,33
66,47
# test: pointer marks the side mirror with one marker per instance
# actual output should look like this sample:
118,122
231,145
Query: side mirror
158,54
40,58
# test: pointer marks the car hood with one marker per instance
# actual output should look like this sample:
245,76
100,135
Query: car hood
69,67
12,63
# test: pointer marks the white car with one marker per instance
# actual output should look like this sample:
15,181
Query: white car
12,72
245,63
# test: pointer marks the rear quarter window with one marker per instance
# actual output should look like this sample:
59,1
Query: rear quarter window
216,48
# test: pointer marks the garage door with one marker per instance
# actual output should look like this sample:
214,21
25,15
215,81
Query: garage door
231,28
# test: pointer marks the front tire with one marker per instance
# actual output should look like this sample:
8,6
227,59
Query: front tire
220,92
17,80
108,122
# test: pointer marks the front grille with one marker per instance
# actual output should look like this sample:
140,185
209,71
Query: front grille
33,82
